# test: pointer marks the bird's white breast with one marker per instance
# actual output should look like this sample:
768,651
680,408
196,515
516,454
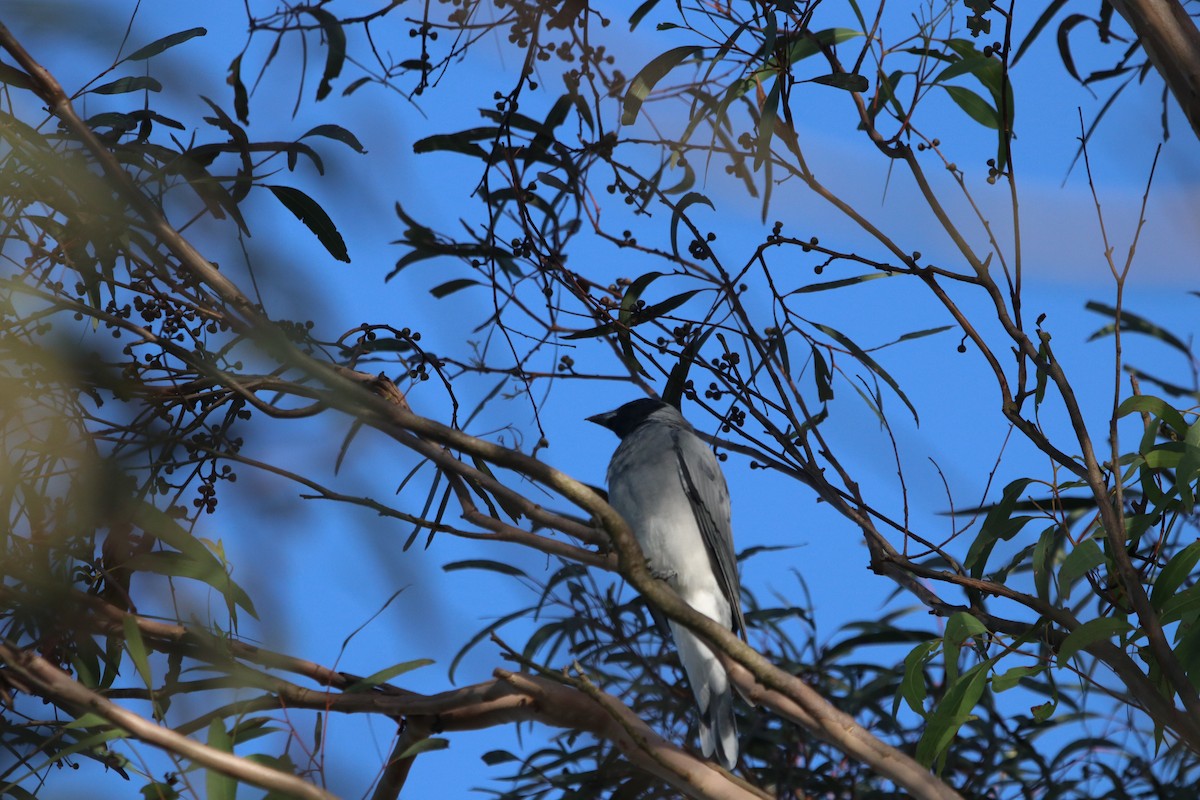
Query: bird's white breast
645,488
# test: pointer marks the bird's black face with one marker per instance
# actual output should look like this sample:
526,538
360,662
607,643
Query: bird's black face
628,417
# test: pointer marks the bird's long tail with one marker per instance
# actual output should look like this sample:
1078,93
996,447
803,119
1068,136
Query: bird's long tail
710,685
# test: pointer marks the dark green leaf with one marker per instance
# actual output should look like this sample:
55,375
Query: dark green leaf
450,287
979,109
14,77
335,43
384,675
1090,632
1148,404
766,126
677,216
1181,605
133,83
314,218
869,363
999,524
241,99
137,649
425,746
1053,8
494,757
943,723
673,391
1177,570
460,142
151,791
1083,558
821,287
1011,677
193,560
1043,561
167,42
337,133
220,786
809,44
485,564
1132,323
912,686
843,80
644,82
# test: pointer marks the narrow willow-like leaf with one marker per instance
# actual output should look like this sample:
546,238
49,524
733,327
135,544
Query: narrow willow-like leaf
649,76
314,218
165,43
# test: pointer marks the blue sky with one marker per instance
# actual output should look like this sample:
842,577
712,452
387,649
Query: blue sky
319,571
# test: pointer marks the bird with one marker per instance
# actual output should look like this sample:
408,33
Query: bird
667,484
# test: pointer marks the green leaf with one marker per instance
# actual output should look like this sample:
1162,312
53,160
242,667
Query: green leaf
494,757
156,791
840,282
450,287
179,565
1157,407
868,362
976,107
943,723
1043,711
335,53
137,649
1181,605
1085,557
460,142
165,43
912,686
766,125
959,628
1177,570
649,76
1090,632
219,785
246,730
384,675
908,337
485,564
809,44
1043,561
425,746
133,83
673,391
1011,677
1132,323
241,98
14,77
314,218
193,560
640,12
1053,8
998,524
848,81
677,216
337,133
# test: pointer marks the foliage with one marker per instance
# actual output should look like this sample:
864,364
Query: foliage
1064,606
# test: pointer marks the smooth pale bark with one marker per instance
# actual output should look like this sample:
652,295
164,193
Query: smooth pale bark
1172,42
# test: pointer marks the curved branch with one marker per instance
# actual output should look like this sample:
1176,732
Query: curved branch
42,678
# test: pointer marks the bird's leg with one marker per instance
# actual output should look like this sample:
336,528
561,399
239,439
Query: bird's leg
663,574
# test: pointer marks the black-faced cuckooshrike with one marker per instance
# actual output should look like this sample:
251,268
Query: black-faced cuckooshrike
666,483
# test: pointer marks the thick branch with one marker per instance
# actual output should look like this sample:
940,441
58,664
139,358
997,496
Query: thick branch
1172,42
48,681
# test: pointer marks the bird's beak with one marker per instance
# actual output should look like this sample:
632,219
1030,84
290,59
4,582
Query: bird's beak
601,419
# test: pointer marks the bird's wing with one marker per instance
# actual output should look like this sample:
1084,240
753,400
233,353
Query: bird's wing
709,497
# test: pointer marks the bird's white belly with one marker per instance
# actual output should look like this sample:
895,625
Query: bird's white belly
663,522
